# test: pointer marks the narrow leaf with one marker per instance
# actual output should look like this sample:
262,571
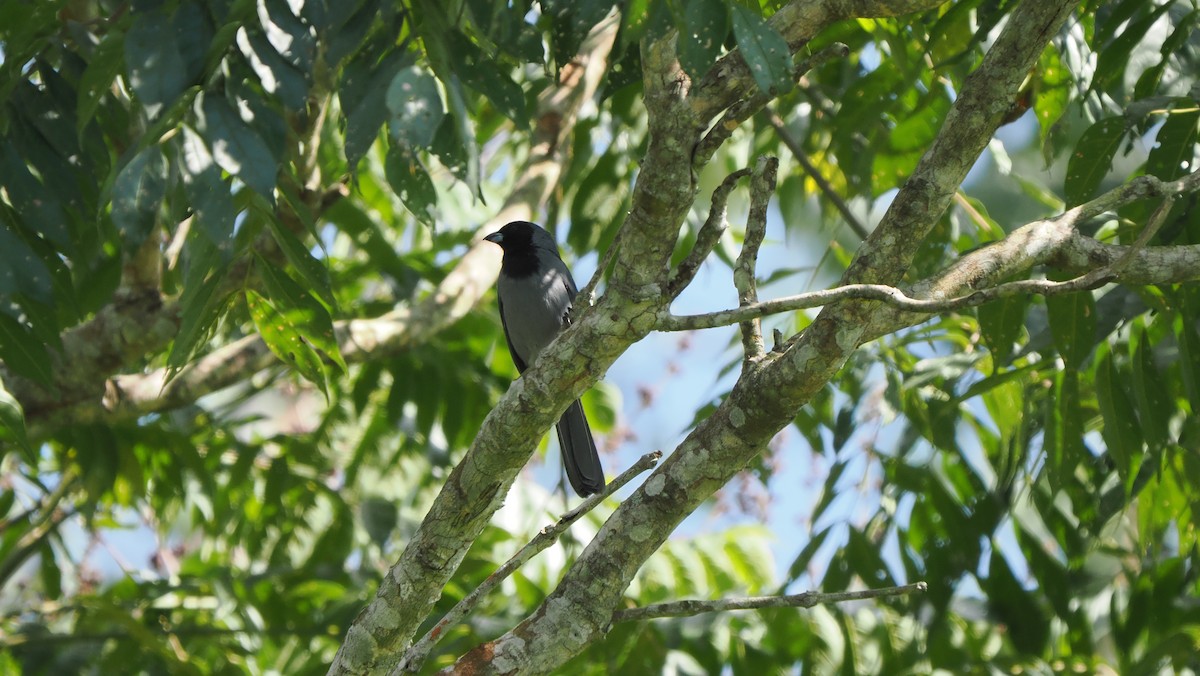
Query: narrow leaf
24,353
412,184
1092,159
279,333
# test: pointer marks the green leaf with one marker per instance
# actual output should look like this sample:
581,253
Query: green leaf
137,194
412,184
363,100
1092,158
289,34
1114,59
1052,91
280,333
465,136
599,203
1151,393
12,418
23,352
1174,150
415,107
208,194
481,73
1026,621
306,317
1073,326
764,49
1000,324
703,26
311,270
157,72
199,306
236,147
1121,433
21,269
277,76
1064,426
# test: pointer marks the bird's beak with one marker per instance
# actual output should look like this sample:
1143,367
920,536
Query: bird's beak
495,238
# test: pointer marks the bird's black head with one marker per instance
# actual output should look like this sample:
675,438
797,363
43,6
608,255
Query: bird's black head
520,241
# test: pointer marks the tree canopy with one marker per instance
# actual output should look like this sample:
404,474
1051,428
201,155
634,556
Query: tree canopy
257,414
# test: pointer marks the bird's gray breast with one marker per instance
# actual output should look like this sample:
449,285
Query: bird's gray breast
534,308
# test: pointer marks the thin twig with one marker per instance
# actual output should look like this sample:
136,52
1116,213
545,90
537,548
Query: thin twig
691,607
708,236
419,652
889,295
823,183
583,299
762,186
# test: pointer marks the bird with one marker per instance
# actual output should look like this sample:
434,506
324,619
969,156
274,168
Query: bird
535,292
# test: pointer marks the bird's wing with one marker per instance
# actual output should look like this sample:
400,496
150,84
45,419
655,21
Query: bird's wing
520,363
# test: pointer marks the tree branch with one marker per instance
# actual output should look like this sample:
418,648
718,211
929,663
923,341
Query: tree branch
687,608
823,183
419,652
762,185
1055,241
708,236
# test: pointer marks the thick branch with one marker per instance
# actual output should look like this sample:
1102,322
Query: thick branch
417,654
687,608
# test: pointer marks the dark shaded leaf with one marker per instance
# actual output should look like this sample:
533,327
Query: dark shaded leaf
208,194
1121,433
484,75
1073,326
276,75
291,37
412,184
765,50
236,147
1174,151
703,26
1092,159
23,352
1000,323
137,194
157,71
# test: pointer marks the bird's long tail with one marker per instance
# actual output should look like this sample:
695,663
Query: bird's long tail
580,458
